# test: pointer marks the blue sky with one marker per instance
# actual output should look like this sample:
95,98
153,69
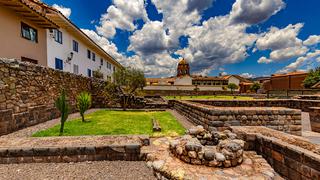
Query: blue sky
248,37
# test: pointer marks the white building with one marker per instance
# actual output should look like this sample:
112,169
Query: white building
69,49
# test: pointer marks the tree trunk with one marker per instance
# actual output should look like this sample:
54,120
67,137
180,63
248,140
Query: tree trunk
61,128
82,117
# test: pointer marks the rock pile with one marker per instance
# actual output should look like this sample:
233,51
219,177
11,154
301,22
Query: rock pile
216,149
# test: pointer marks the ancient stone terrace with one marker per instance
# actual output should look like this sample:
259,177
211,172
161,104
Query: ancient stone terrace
278,118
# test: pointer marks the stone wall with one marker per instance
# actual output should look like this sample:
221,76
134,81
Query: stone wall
278,118
289,103
28,92
291,156
315,119
184,92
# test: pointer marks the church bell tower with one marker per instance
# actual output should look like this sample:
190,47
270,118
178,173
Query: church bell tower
183,68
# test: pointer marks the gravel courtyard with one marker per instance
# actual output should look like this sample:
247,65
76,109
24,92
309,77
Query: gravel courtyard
111,170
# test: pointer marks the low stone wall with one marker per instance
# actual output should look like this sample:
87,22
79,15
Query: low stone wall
278,118
289,103
72,149
315,119
291,156
28,92
184,92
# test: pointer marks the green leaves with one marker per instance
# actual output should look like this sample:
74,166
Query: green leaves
84,101
312,78
62,105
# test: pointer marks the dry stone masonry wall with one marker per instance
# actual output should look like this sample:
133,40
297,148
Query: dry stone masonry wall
291,156
278,118
28,92
214,149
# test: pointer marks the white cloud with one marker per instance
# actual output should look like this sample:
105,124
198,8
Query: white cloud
254,11
247,75
318,59
122,15
264,60
65,11
288,53
150,39
280,38
301,61
313,39
211,46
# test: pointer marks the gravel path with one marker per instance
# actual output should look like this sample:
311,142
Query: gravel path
111,170
27,132
182,120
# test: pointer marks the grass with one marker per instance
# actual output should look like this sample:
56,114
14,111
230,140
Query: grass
209,97
109,122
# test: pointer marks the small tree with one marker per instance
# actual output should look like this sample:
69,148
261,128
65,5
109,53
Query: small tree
83,103
128,81
232,87
62,105
255,87
312,78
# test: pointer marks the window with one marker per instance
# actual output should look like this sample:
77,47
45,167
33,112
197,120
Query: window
93,57
59,64
75,69
89,54
89,73
58,36
29,33
75,46
101,62
114,68
108,65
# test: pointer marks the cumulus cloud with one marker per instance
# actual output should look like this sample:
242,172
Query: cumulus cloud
198,5
284,43
247,75
264,60
254,11
313,39
121,15
150,39
211,46
301,61
65,11
280,38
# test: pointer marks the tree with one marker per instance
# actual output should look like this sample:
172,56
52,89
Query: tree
83,103
62,105
312,78
232,87
128,81
255,87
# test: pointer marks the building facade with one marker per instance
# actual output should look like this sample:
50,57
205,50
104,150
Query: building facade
289,81
37,33
184,81
23,32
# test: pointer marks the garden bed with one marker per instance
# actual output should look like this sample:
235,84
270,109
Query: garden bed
110,122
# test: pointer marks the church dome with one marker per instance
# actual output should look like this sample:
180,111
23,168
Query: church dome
182,62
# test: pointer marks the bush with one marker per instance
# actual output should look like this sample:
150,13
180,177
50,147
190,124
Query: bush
312,78
255,87
83,103
98,74
62,105
232,86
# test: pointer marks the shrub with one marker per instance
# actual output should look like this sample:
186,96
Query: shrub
98,74
255,87
312,78
232,86
62,105
83,103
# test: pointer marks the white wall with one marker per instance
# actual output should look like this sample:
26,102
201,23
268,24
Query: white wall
184,80
189,88
234,80
62,51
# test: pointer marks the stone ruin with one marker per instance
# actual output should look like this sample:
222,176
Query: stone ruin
214,149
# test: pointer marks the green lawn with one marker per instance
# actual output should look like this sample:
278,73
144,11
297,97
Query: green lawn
208,97
109,122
